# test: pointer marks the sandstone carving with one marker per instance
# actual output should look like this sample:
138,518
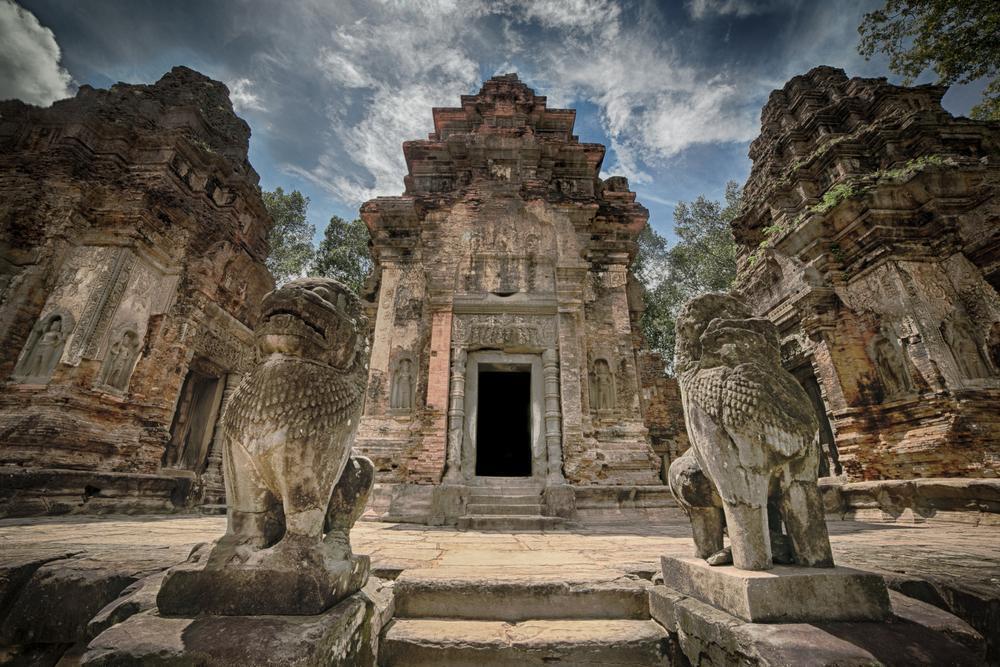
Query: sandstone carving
890,365
857,213
507,242
402,386
964,344
121,359
43,349
293,489
602,386
132,208
754,436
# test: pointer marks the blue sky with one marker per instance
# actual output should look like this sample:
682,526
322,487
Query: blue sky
332,88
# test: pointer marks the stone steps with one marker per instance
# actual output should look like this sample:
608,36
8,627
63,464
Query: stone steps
505,504
495,509
501,499
506,522
491,616
513,595
446,642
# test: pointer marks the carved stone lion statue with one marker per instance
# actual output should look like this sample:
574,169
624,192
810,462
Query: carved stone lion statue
293,489
754,441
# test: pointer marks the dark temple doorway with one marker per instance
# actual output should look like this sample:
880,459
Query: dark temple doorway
194,421
503,428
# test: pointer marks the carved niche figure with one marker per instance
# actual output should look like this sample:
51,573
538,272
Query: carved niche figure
964,343
401,397
294,490
44,348
602,386
754,437
993,344
121,358
890,364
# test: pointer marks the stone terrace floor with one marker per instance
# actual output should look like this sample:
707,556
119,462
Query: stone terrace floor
967,557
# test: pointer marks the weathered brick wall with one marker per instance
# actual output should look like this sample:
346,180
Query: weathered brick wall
661,409
869,235
510,242
132,216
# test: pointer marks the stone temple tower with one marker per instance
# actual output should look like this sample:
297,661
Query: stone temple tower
870,235
504,348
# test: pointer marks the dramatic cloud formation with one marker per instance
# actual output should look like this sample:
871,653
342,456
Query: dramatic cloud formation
333,89
243,96
29,59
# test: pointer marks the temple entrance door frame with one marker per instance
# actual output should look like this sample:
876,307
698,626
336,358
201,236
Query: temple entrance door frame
486,361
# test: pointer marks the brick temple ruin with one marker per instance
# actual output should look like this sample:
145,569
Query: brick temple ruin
506,342
131,267
870,235
508,389
504,309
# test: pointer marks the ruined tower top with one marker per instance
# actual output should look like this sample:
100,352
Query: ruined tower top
505,139
504,105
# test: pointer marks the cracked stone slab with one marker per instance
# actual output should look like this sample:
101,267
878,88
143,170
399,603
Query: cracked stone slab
606,642
518,594
785,594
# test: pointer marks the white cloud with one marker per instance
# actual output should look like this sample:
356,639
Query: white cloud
652,105
699,9
29,59
384,64
400,66
241,92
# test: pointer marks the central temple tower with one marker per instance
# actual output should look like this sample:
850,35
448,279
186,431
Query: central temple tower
505,346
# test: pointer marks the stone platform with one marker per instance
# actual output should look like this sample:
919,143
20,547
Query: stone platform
105,568
341,635
783,594
916,634
191,588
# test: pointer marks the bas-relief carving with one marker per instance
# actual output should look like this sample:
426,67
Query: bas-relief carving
602,386
754,440
120,360
963,341
506,254
105,296
44,347
403,385
890,364
503,330
993,345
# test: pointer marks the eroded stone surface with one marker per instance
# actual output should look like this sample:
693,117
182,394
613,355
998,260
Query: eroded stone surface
953,566
340,636
293,490
133,240
508,253
783,594
868,235
707,635
754,440
453,642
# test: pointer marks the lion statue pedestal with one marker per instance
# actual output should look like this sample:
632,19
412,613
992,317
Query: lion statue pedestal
293,490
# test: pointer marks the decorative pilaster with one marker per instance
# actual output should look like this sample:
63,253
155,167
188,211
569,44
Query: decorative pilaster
553,416
456,415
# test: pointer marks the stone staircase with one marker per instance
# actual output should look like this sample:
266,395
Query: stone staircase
507,504
508,616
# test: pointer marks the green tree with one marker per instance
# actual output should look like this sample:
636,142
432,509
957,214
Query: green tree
958,39
703,260
291,236
343,253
